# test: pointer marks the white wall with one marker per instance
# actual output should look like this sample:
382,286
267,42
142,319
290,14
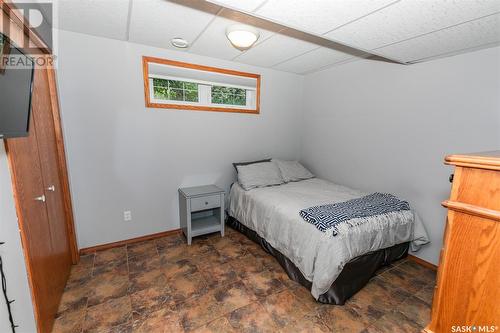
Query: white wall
379,126
372,125
123,156
13,258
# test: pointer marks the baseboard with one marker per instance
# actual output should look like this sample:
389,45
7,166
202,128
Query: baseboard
422,262
106,246
101,247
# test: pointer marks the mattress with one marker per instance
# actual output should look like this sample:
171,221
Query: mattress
273,213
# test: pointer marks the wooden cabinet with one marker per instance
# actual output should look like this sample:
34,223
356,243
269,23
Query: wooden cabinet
467,294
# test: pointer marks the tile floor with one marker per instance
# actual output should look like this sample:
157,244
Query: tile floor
228,285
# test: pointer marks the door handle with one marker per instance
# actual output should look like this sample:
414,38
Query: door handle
41,198
51,188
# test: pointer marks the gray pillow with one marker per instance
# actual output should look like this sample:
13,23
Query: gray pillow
235,165
292,171
259,175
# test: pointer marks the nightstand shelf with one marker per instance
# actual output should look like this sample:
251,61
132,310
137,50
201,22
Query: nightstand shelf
201,210
205,225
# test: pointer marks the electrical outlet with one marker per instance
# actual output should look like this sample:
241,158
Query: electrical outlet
127,215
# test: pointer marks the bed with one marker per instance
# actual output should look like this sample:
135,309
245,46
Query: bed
333,267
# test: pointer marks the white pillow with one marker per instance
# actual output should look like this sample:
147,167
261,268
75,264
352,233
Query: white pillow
292,171
259,175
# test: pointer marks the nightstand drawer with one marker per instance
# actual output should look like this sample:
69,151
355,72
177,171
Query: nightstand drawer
207,202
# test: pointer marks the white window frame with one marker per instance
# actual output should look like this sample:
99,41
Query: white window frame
204,93
170,101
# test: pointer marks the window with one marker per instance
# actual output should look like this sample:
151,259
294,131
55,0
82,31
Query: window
177,85
173,90
229,96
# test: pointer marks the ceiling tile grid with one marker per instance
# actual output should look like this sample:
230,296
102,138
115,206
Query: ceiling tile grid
310,61
313,32
409,19
470,35
246,6
375,26
275,50
318,16
210,43
93,17
156,22
214,43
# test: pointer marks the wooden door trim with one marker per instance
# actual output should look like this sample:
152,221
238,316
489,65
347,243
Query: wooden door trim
23,234
63,176
63,168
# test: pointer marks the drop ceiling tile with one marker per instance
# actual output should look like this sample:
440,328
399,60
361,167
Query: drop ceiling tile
314,60
156,22
93,17
214,43
274,50
465,36
318,16
243,5
411,18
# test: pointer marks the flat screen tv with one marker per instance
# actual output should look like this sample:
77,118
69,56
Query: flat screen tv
16,83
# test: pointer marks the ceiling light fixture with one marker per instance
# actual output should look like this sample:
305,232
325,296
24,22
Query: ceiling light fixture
181,43
242,36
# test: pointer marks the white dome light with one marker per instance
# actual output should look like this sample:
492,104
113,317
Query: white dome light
179,42
242,36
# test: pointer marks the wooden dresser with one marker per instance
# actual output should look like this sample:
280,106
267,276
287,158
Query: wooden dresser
467,295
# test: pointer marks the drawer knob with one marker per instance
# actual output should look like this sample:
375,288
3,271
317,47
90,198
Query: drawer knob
206,202
451,177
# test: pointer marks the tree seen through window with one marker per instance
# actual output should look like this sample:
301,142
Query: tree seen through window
229,95
174,90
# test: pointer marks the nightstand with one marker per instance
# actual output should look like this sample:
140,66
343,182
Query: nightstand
201,210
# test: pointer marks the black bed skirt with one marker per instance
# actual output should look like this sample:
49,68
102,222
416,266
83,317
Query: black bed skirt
354,276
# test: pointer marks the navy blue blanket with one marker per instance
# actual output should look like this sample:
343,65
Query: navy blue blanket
331,216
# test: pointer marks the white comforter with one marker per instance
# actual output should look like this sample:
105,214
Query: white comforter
273,212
